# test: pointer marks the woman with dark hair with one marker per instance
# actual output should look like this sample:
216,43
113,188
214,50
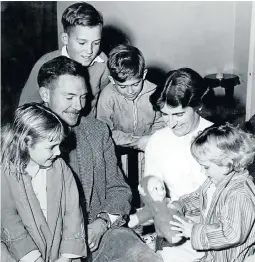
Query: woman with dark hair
167,154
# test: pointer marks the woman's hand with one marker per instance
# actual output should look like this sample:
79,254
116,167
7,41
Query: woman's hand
184,227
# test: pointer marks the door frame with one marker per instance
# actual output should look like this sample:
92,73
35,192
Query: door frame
250,98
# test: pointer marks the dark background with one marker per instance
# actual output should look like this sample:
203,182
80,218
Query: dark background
28,31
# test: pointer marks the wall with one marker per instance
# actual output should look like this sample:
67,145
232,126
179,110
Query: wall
250,105
200,35
28,31
241,45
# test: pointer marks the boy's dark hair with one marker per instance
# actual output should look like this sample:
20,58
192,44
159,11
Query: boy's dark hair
183,87
126,62
53,69
82,14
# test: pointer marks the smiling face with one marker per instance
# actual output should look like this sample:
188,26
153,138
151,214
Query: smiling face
180,120
66,98
156,188
83,43
44,152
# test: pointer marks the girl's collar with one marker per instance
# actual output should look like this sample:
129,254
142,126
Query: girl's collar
231,176
32,169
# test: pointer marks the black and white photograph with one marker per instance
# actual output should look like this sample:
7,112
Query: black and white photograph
127,131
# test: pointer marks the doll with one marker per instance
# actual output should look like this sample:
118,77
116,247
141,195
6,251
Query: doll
153,195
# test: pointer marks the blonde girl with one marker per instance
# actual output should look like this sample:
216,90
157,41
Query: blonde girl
41,218
226,201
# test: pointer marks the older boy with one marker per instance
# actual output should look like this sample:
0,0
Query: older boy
82,25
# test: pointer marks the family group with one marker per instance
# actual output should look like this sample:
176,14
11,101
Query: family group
64,195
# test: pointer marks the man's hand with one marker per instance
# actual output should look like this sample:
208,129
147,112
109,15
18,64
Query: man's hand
141,143
184,227
96,230
133,221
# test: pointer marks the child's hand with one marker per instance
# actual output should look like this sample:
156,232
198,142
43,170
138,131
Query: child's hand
184,227
141,143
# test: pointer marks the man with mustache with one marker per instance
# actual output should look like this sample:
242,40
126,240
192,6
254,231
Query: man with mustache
104,196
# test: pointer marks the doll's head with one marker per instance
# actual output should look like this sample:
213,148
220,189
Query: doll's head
152,187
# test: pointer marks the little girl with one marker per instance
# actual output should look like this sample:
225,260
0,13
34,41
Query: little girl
41,218
226,200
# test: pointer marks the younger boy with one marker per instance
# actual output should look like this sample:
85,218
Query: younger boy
124,103
82,25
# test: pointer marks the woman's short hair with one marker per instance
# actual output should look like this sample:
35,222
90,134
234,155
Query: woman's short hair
182,87
219,144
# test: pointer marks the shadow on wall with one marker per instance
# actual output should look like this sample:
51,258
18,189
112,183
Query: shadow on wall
28,31
220,110
113,36
156,75
217,109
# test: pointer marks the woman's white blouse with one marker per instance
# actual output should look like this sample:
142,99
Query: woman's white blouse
168,156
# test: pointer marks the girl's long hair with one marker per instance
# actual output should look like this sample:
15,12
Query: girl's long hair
32,122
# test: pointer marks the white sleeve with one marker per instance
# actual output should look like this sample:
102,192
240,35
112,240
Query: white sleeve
70,256
151,158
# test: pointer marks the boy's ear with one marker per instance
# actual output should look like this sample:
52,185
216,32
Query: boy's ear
145,73
64,38
111,80
45,94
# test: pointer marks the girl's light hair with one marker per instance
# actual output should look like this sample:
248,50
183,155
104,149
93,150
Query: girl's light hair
219,144
32,122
